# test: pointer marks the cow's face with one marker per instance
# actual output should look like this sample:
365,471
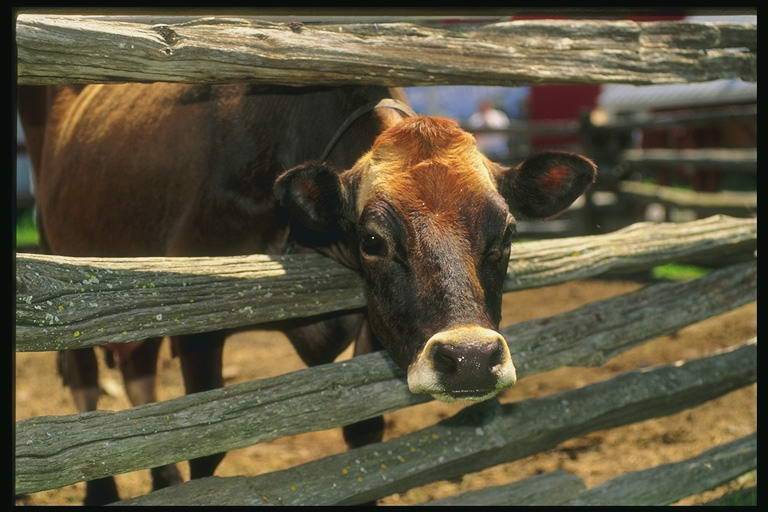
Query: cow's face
427,221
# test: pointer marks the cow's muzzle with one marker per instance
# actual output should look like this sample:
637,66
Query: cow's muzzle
463,363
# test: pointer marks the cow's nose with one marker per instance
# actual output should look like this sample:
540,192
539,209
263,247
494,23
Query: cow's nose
466,362
467,368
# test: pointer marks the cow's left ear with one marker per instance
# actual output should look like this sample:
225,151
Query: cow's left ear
311,195
545,184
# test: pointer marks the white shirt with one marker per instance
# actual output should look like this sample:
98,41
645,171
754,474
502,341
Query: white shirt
491,143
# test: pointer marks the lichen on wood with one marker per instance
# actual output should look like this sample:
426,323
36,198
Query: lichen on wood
476,438
50,453
65,303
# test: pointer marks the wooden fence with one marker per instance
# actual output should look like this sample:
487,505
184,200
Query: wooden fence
624,167
66,303
601,139
507,53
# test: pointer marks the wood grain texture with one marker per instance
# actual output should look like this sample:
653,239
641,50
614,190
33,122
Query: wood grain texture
660,485
740,497
476,438
553,488
726,200
668,483
51,453
727,159
77,49
65,303
666,119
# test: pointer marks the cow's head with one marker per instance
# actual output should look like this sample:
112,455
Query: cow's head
427,221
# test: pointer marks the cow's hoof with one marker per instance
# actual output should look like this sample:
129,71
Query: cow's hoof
101,491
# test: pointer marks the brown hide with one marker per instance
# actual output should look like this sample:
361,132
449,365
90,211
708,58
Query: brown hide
427,192
184,170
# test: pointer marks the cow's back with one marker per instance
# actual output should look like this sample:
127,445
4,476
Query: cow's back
176,169
118,163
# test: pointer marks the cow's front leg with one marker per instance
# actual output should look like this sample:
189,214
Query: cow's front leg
138,365
80,372
201,360
370,430
320,342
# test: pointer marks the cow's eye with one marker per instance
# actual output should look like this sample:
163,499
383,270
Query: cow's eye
372,245
494,255
500,249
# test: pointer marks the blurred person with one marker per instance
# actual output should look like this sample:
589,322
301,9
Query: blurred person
494,145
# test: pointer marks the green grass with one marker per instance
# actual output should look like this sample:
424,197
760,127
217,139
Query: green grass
26,232
678,272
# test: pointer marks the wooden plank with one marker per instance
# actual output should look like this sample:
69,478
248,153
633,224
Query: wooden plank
64,303
517,127
216,50
310,17
553,488
478,437
728,159
740,497
668,483
745,201
49,453
691,118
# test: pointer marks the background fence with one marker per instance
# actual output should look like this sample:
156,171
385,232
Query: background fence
66,303
632,179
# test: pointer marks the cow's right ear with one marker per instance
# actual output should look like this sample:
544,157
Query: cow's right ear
311,196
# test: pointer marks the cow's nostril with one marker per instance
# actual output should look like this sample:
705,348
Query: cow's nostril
496,357
444,360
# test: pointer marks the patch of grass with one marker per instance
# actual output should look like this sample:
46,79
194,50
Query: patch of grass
678,272
26,232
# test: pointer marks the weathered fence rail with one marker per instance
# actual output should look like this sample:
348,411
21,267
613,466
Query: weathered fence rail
477,437
665,119
64,303
218,50
668,483
543,127
660,485
727,159
741,496
553,488
733,202
606,136
50,454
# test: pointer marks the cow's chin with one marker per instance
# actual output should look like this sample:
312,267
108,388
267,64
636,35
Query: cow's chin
445,397
418,384
422,379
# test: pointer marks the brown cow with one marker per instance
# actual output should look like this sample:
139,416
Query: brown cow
407,201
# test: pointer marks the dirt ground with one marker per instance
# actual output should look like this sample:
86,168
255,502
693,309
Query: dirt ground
595,457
